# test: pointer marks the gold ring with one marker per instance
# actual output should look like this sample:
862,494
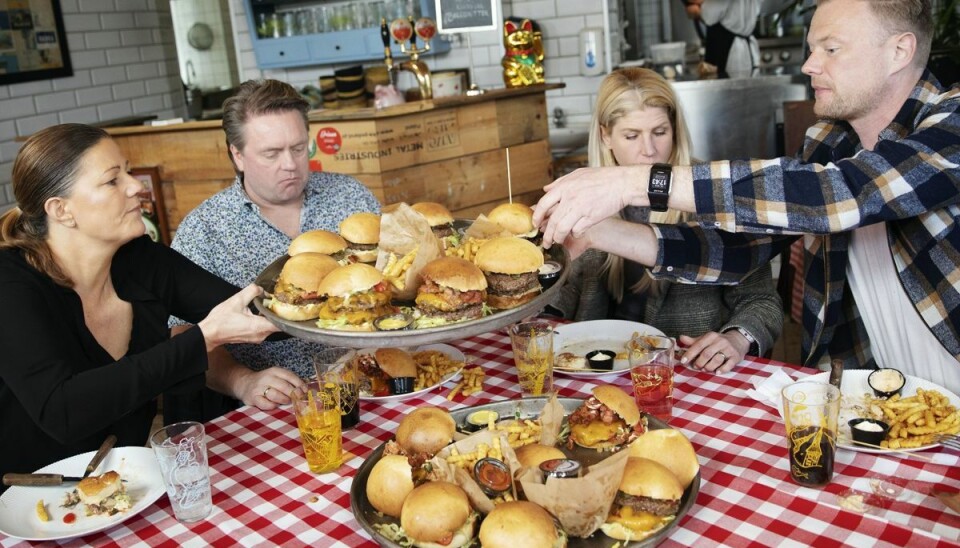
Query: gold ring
265,390
724,356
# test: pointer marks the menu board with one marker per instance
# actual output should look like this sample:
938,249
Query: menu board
467,15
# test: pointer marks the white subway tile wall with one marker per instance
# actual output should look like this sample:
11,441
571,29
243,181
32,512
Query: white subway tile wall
124,63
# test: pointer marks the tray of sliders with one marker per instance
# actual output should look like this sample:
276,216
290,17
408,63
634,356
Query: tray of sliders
528,472
428,278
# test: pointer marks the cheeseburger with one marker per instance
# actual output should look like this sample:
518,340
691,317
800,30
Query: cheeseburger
453,289
520,523
438,515
383,365
511,266
355,294
517,219
295,296
362,234
647,500
440,221
607,420
671,449
319,241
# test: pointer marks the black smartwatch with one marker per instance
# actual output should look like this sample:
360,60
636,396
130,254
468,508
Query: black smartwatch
658,190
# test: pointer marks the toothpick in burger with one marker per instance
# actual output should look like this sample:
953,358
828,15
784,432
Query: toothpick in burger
608,420
355,294
295,297
517,219
453,290
441,222
511,266
320,241
648,499
362,234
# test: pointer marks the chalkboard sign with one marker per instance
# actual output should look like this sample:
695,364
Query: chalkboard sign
467,15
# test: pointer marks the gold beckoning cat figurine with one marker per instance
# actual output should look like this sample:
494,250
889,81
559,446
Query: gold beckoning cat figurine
523,60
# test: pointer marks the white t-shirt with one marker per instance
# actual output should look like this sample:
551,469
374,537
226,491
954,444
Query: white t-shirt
739,17
898,336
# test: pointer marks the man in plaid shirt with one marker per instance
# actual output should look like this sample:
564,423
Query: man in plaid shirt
875,190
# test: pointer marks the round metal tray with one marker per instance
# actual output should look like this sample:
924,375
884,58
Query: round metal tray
308,330
368,516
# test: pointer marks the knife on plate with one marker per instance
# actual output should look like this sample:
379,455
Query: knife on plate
59,479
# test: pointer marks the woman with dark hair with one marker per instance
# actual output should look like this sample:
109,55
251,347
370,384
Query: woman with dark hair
86,296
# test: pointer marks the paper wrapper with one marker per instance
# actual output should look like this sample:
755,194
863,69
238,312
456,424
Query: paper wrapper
551,419
402,230
580,504
484,229
458,475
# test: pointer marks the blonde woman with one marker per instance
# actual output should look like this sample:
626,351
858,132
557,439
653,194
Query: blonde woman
638,121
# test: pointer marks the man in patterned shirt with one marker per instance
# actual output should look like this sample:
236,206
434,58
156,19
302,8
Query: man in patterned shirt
239,231
875,189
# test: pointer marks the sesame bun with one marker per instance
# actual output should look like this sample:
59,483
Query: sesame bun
389,483
519,523
618,400
671,449
395,362
94,489
426,430
318,241
532,455
509,255
435,512
350,279
361,228
455,272
436,214
515,218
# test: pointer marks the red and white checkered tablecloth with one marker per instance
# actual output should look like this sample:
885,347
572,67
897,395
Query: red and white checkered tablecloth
263,493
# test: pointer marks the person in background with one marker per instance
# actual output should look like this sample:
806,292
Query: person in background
238,232
83,330
638,121
874,189
729,46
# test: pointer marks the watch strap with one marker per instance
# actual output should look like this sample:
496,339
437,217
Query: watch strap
658,193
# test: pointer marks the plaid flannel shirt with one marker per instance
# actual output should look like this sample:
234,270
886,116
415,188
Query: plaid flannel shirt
910,181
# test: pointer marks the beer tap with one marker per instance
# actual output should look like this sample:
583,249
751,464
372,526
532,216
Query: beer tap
404,32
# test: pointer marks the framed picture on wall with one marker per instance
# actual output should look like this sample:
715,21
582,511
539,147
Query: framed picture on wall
33,44
151,203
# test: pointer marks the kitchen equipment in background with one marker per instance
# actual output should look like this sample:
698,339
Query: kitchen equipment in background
781,55
200,36
591,52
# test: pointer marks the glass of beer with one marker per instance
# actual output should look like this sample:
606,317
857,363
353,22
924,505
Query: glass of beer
318,417
337,365
810,412
533,355
652,360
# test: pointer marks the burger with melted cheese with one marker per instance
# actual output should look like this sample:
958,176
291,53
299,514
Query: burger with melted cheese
453,290
440,221
517,219
295,296
355,295
362,234
606,421
647,500
319,241
511,266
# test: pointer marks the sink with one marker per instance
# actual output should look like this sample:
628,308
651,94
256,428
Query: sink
569,138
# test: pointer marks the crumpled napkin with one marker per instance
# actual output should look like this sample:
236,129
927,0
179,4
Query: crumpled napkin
766,390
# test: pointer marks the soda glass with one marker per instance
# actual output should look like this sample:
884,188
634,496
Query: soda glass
652,359
181,450
810,412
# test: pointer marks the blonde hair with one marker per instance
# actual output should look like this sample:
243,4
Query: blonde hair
46,167
622,92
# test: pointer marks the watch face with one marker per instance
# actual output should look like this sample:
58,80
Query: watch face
659,182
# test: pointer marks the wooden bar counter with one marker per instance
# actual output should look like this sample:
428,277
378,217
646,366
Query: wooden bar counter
451,150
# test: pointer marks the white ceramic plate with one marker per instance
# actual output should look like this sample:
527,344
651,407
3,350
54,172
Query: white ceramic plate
854,390
450,351
582,337
136,465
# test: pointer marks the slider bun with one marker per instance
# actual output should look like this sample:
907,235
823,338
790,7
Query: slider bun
433,511
350,279
307,270
647,478
295,312
436,214
426,430
94,489
518,523
618,400
509,255
532,455
671,449
516,218
396,363
455,272
318,241
361,228
389,483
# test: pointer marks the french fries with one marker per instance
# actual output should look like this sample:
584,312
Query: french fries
467,249
396,268
519,433
917,420
482,450
432,367
472,383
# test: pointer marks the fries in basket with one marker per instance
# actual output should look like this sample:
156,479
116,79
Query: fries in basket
467,249
917,420
396,268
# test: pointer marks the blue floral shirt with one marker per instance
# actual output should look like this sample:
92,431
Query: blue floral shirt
227,235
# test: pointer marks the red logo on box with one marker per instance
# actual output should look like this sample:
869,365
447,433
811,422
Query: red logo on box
315,165
329,140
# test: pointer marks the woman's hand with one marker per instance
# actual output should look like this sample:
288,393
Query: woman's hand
717,352
269,388
232,322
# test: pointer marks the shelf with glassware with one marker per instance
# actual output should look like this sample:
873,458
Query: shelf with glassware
287,34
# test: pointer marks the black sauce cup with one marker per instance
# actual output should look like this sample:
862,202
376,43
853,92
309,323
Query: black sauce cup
549,274
601,359
868,436
872,377
402,385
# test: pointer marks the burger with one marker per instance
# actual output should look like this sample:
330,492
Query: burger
647,500
355,295
440,221
438,515
671,449
606,420
511,266
389,483
425,431
295,296
362,234
453,290
319,241
520,523
386,364
101,494
517,219
530,456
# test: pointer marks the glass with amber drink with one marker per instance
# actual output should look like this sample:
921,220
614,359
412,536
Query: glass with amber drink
338,365
651,360
318,418
533,355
